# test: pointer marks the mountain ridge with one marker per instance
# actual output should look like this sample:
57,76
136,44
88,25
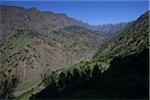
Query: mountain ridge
33,17
25,19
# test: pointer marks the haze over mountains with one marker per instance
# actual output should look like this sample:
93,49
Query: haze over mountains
66,56
110,29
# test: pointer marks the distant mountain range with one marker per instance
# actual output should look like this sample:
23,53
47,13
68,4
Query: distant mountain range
111,29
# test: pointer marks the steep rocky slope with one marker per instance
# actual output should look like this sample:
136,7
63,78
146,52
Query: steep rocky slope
119,70
34,44
16,19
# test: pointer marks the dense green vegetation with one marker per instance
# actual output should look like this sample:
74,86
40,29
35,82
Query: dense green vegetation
129,81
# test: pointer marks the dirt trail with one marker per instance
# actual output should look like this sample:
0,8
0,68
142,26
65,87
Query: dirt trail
20,92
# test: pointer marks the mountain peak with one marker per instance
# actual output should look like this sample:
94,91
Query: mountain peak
34,9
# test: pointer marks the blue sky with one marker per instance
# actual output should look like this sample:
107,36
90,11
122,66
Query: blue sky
92,12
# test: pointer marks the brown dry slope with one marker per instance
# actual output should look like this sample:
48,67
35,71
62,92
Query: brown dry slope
35,43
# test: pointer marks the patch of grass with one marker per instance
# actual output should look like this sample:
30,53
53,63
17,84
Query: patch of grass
26,85
14,42
27,95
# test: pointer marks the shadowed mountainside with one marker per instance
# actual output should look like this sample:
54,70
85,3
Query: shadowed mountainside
119,70
127,78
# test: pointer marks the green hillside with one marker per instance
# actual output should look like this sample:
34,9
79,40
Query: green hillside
130,41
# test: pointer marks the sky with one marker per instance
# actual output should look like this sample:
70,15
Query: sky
91,12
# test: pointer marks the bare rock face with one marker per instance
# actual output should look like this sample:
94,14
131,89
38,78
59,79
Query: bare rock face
35,43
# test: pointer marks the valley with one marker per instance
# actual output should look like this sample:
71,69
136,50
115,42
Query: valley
121,74
47,55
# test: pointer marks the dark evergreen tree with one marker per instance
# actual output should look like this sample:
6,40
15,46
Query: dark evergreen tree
96,72
76,78
86,75
68,78
76,74
62,79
